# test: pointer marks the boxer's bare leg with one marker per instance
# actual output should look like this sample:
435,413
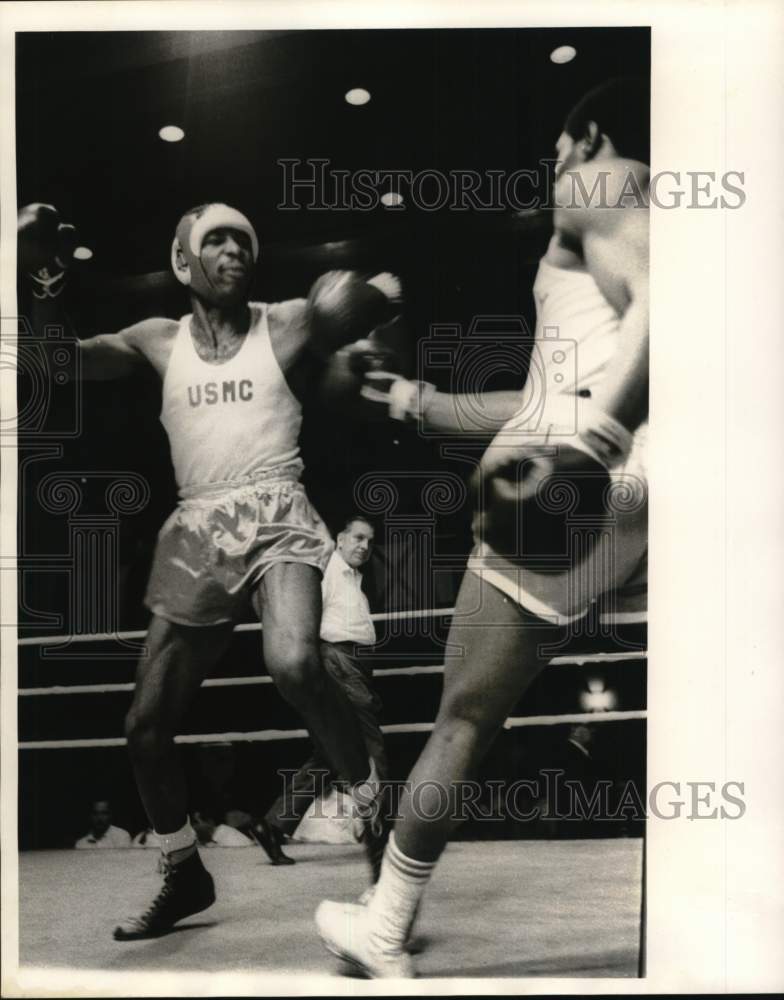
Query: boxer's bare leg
500,645
288,602
168,677
499,658
167,680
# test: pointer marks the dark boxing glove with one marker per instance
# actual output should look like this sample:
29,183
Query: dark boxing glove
343,308
543,511
45,248
541,499
348,368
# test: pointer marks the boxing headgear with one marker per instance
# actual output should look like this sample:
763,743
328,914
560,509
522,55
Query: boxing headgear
189,237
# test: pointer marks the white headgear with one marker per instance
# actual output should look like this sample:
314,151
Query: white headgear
190,235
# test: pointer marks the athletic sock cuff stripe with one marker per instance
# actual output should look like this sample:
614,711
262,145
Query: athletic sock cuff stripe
405,865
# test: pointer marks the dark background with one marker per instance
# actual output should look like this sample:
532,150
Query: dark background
89,107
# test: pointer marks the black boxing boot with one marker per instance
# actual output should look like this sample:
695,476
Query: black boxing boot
187,888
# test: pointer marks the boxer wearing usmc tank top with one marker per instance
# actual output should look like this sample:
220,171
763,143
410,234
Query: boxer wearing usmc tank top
243,532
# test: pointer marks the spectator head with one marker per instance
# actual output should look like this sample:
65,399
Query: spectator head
355,541
581,734
100,817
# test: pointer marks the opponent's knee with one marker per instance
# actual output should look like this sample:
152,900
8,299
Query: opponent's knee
464,718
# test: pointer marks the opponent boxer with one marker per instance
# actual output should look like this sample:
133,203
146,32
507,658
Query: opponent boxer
244,532
592,286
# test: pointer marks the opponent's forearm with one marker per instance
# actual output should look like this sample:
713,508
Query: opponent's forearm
623,393
462,413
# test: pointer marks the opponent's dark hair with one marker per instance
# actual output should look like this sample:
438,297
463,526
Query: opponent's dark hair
621,109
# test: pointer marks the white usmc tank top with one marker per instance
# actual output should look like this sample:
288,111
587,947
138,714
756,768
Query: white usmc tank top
576,329
232,421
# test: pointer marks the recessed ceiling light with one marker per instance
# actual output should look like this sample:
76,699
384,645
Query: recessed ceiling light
83,253
171,133
563,54
357,96
392,199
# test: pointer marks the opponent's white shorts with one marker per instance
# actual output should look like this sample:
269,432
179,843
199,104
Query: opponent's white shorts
613,576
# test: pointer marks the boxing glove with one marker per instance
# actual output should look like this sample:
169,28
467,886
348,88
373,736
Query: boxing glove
45,248
343,308
541,496
544,510
346,371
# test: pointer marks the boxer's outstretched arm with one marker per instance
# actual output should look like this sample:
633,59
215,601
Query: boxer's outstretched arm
116,355
358,375
457,414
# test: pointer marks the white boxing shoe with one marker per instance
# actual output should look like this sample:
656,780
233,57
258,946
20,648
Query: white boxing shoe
366,896
343,927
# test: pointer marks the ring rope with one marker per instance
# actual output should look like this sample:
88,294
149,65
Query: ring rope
614,618
438,668
269,735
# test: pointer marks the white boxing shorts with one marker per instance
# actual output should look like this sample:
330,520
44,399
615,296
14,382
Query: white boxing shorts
612,578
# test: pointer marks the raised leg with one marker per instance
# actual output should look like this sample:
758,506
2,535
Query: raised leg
288,601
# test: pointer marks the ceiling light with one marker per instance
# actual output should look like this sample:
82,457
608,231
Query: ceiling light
357,96
392,199
563,54
171,133
83,253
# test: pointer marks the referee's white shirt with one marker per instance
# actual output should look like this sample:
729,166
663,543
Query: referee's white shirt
346,612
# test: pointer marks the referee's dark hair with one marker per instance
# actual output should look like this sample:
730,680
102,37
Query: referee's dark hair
357,517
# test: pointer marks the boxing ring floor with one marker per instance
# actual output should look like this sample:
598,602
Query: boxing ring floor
556,908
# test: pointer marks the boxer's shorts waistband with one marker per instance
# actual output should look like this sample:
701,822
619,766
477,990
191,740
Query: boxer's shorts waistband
207,493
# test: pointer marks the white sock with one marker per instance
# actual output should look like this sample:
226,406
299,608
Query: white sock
394,905
179,845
